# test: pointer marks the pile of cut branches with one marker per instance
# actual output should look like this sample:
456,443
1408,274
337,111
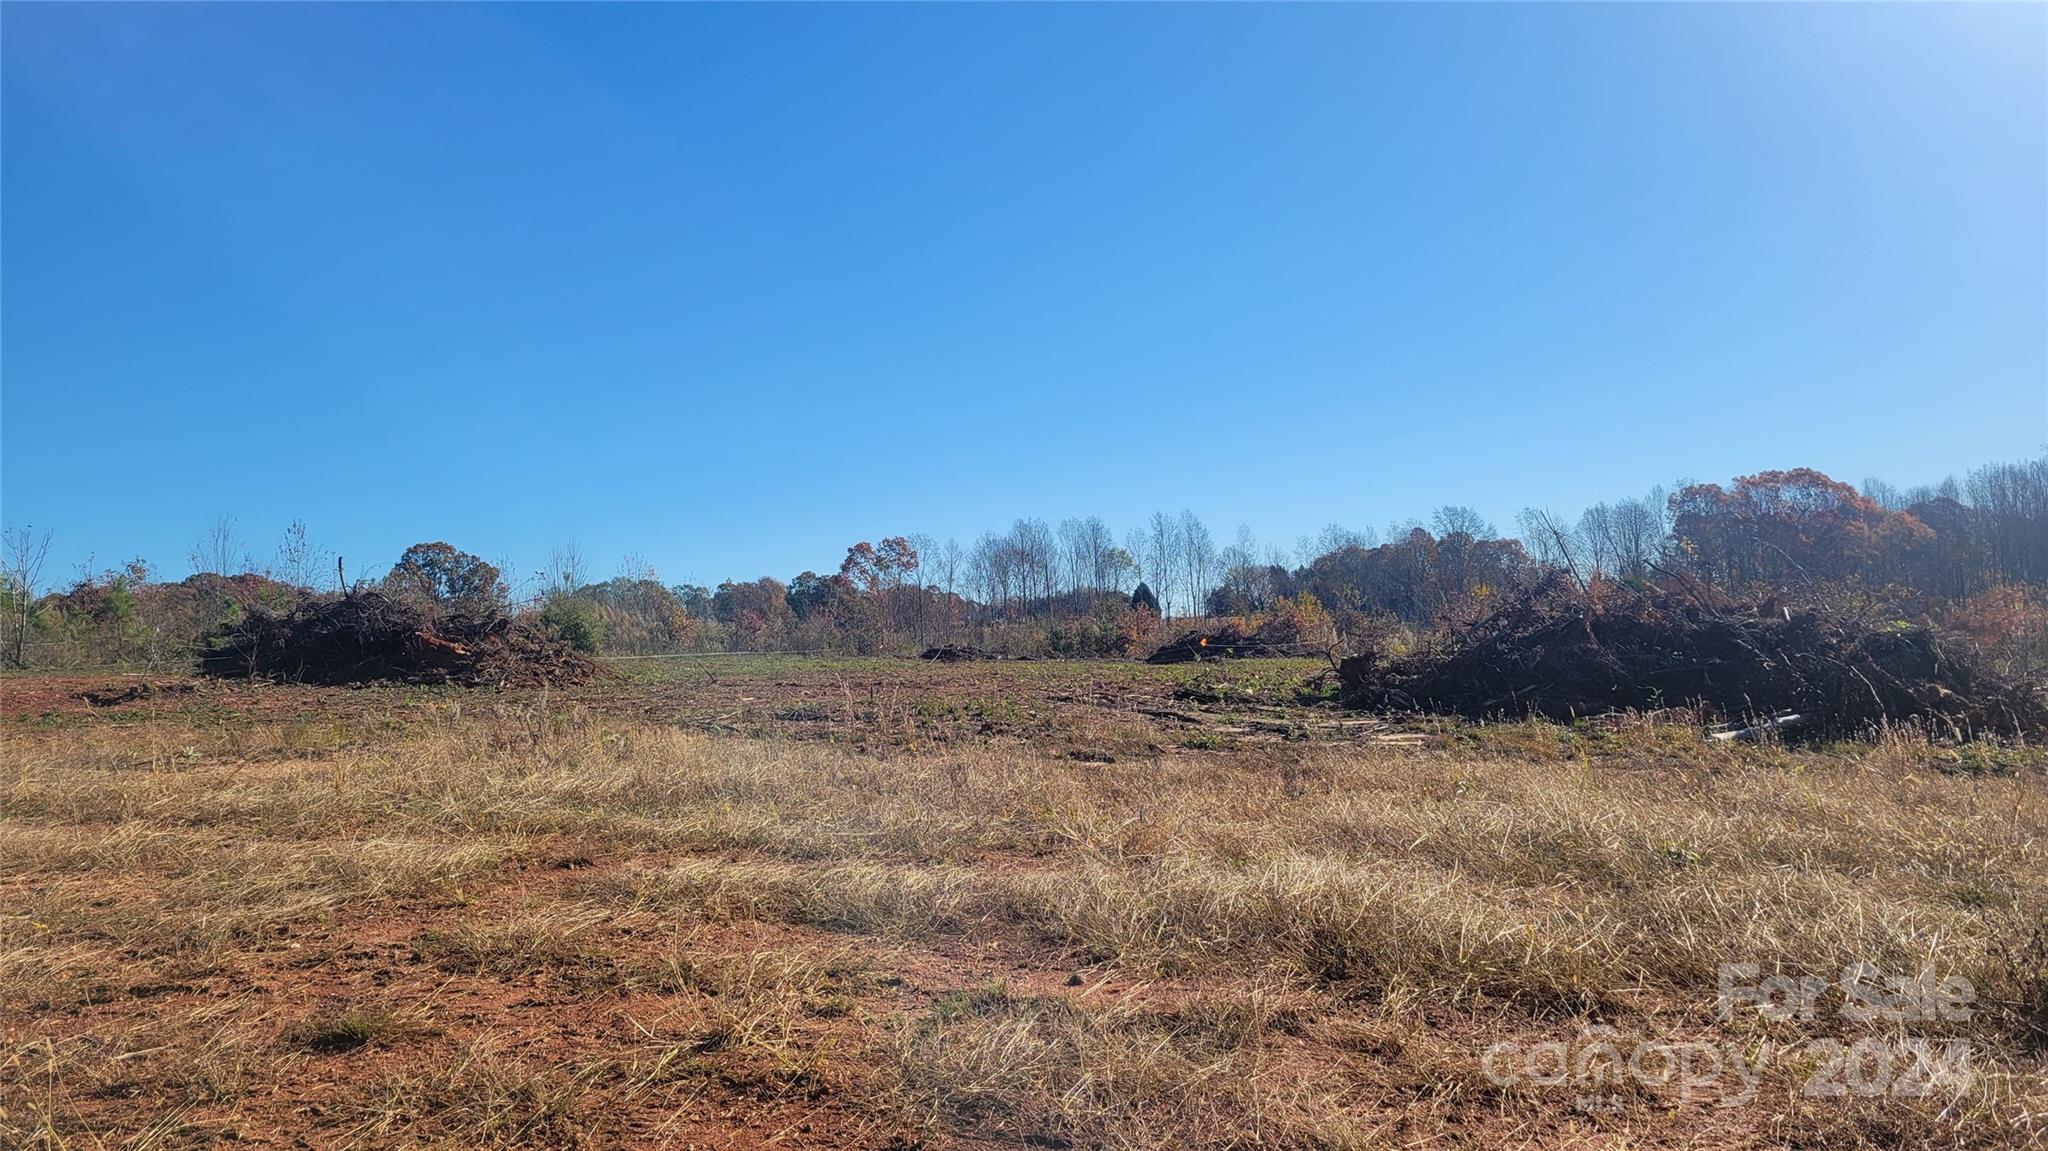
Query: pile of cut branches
1235,639
367,636
1563,652
957,653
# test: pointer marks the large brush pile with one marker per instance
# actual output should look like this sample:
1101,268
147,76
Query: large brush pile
365,637
1563,653
1274,636
1233,640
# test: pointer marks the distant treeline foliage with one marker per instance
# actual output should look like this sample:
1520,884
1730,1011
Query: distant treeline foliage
1969,556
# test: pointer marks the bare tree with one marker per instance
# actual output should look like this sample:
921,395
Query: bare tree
1198,559
1552,541
2012,505
1334,537
219,548
922,576
566,571
1885,495
1073,557
299,562
1241,552
990,572
1638,527
1031,542
949,564
515,589
1620,539
25,554
927,549
1162,559
1451,520
1598,530
1098,543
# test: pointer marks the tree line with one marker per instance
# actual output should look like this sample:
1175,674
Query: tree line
1969,552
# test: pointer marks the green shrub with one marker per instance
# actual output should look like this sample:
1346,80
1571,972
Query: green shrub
576,621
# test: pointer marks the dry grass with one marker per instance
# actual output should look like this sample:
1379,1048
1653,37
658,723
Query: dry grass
491,927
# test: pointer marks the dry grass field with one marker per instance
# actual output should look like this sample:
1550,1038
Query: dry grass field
882,904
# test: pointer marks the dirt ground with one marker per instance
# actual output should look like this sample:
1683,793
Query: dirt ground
1092,710
793,903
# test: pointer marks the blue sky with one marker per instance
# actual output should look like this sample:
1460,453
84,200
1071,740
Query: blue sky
732,287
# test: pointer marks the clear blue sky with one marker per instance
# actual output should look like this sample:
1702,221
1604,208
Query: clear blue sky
734,287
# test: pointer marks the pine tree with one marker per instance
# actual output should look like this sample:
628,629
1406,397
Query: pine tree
1143,597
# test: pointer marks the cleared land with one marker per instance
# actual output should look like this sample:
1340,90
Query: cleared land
800,903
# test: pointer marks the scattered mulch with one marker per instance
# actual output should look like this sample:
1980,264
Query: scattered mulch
957,653
366,637
131,693
1561,652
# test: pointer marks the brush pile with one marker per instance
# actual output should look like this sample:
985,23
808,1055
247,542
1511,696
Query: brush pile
1235,639
1231,641
1563,653
367,637
957,653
